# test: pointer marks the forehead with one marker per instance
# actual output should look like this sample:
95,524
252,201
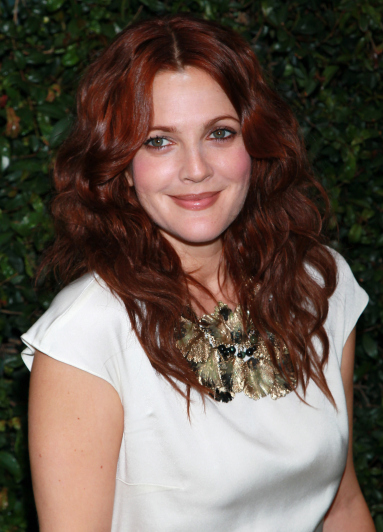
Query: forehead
189,95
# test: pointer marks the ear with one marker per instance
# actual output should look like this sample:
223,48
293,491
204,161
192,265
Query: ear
129,177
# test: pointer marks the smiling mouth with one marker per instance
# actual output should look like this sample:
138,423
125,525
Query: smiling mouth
196,202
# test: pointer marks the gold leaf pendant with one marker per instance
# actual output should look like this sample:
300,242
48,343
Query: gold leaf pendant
229,360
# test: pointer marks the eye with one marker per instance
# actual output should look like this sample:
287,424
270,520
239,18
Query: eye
157,142
222,133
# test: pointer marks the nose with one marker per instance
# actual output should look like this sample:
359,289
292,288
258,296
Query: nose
194,166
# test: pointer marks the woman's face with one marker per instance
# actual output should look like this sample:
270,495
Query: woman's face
192,174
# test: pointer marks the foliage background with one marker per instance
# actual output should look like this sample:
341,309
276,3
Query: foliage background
324,57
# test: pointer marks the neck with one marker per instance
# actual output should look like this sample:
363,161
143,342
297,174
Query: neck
202,263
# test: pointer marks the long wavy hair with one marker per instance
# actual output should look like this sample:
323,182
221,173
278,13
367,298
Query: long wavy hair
276,240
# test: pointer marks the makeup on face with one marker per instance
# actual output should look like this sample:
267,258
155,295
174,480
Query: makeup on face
192,173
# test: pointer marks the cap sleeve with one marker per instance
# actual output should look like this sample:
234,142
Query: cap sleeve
347,303
86,326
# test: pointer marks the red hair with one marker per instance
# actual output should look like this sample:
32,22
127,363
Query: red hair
101,226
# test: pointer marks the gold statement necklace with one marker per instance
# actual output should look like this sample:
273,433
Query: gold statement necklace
228,359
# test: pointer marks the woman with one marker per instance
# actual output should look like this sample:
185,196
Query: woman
197,373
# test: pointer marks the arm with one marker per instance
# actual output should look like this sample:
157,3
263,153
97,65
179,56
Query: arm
75,431
349,512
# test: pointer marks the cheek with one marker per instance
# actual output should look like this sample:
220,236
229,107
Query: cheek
142,171
151,174
242,161
237,165
240,176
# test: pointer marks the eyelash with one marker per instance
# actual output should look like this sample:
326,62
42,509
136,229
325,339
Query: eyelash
158,148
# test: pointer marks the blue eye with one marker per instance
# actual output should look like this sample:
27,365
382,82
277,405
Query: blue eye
222,133
157,142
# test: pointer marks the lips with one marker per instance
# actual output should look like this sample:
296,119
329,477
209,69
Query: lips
196,202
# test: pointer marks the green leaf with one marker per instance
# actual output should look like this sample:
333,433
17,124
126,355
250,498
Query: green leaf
267,7
308,25
38,94
274,14
370,345
363,22
5,153
379,523
363,135
349,167
60,131
355,233
29,266
94,26
20,59
6,237
52,110
54,5
70,58
30,165
36,58
44,123
329,72
10,464
310,86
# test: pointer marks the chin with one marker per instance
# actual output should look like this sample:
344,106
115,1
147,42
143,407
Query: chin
197,238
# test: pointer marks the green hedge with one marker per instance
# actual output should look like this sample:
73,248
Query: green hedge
325,58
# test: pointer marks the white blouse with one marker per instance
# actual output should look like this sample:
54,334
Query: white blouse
243,466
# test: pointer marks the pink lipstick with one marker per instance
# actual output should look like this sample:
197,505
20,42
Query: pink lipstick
196,202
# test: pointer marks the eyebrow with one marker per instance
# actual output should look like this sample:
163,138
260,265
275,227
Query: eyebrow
207,125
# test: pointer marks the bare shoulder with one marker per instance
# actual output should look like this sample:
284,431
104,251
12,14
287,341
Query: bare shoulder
75,432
